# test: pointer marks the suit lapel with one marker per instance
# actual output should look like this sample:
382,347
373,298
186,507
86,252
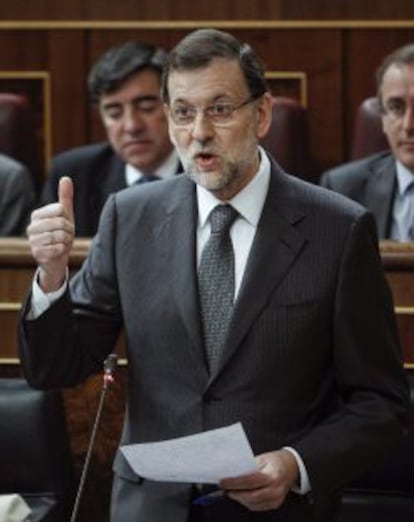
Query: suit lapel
115,176
380,194
276,245
109,177
179,236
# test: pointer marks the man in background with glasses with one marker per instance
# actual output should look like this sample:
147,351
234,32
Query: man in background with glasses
246,295
384,182
124,85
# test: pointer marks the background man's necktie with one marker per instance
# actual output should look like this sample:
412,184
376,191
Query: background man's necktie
146,178
216,283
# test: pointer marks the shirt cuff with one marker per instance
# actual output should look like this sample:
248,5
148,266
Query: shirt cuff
42,301
304,484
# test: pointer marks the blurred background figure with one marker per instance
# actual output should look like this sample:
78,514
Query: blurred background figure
384,182
17,197
124,84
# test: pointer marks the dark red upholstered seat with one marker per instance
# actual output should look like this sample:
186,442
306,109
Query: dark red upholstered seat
288,137
18,134
368,137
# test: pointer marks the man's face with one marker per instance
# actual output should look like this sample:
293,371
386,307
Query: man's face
397,95
218,153
135,122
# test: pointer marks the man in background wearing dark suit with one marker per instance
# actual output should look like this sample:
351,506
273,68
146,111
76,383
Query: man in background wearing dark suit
298,340
17,197
384,182
125,86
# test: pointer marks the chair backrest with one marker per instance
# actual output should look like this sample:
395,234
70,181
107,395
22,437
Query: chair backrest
34,449
368,137
288,137
18,134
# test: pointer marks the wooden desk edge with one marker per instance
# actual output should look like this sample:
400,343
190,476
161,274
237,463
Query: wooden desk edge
15,251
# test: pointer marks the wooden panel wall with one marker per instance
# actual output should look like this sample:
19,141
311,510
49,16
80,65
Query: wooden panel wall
337,44
206,10
338,62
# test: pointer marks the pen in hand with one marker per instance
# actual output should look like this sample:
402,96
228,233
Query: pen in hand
210,498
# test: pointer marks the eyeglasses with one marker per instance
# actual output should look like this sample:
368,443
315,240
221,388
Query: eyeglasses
220,114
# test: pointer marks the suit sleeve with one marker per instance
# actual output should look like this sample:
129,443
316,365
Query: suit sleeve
371,415
17,200
70,341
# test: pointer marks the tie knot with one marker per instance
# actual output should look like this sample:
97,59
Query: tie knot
221,218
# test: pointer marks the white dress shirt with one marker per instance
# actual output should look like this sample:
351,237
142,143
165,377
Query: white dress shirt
249,203
402,226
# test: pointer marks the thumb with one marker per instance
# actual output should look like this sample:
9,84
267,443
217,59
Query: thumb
65,193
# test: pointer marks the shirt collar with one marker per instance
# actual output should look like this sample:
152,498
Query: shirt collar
404,178
167,170
248,202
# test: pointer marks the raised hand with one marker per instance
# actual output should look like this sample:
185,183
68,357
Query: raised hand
51,232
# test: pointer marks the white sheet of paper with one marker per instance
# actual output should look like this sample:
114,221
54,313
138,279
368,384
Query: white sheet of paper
205,457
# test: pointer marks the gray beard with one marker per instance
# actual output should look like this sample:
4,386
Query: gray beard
214,184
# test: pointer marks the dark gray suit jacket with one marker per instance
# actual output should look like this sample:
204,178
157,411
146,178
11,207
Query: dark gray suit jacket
17,197
312,358
372,182
96,171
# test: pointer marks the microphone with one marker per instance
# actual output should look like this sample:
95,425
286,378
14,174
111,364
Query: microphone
110,365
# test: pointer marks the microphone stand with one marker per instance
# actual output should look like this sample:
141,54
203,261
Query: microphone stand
110,364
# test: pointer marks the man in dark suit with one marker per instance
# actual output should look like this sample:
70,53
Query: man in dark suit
124,84
384,182
308,361
17,197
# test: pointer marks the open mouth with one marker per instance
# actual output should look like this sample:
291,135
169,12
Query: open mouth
206,160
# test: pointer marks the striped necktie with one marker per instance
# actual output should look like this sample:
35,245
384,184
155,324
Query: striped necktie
216,283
